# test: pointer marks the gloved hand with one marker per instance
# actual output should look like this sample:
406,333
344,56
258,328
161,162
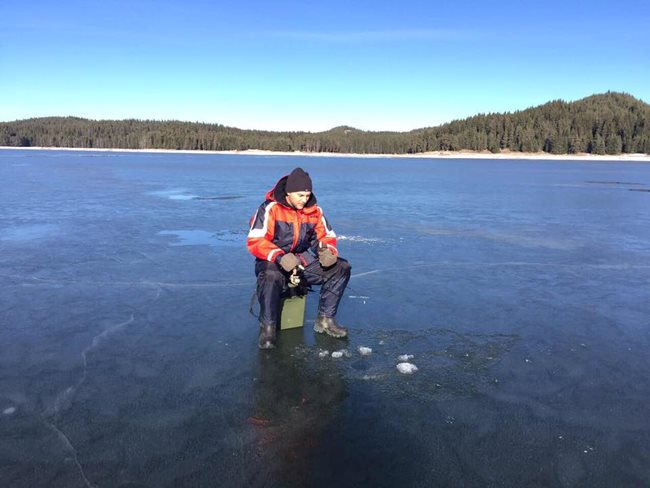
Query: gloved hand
289,261
326,257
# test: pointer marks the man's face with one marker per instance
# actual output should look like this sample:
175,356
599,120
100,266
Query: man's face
298,199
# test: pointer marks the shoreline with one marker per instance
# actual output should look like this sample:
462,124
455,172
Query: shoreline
428,155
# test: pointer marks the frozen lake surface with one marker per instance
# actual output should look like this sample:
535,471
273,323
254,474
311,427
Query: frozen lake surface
128,357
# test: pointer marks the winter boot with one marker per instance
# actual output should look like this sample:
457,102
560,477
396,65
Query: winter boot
329,326
267,336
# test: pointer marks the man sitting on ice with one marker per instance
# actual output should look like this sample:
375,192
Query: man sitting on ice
290,231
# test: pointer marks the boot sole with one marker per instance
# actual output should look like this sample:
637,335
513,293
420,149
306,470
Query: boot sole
323,330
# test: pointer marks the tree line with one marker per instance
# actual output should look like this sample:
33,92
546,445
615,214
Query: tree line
610,123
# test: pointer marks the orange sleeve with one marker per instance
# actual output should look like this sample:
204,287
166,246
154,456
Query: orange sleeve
260,236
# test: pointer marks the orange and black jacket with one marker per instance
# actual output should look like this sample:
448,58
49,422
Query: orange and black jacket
277,228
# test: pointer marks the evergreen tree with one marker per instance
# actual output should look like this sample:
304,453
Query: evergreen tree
598,145
613,144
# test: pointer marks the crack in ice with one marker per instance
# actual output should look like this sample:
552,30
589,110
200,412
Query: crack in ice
70,448
128,283
614,266
71,390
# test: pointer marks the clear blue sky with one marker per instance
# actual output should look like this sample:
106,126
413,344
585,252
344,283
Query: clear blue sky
308,65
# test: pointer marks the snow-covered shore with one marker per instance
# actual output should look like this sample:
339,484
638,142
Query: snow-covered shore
426,155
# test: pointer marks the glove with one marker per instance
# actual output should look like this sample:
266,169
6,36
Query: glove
289,261
326,257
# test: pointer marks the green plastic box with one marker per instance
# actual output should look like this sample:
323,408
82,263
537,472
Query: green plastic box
293,312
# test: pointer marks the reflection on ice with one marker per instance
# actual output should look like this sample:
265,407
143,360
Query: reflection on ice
297,399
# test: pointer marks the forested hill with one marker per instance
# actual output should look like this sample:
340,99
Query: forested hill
609,123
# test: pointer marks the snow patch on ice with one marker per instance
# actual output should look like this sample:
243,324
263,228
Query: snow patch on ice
363,240
407,368
177,194
182,197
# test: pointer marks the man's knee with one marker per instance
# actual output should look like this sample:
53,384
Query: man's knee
344,266
272,275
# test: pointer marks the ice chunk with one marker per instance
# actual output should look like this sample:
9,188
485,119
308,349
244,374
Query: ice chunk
370,377
9,410
407,368
323,354
365,351
405,357
341,353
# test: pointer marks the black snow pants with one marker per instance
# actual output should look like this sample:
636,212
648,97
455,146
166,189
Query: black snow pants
272,279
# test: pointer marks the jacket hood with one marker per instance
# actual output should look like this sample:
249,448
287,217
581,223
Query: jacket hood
278,194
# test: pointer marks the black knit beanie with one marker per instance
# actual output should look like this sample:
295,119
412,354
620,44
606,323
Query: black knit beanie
298,180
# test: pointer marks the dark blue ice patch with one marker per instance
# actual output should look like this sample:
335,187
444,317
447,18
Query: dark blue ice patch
223,238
